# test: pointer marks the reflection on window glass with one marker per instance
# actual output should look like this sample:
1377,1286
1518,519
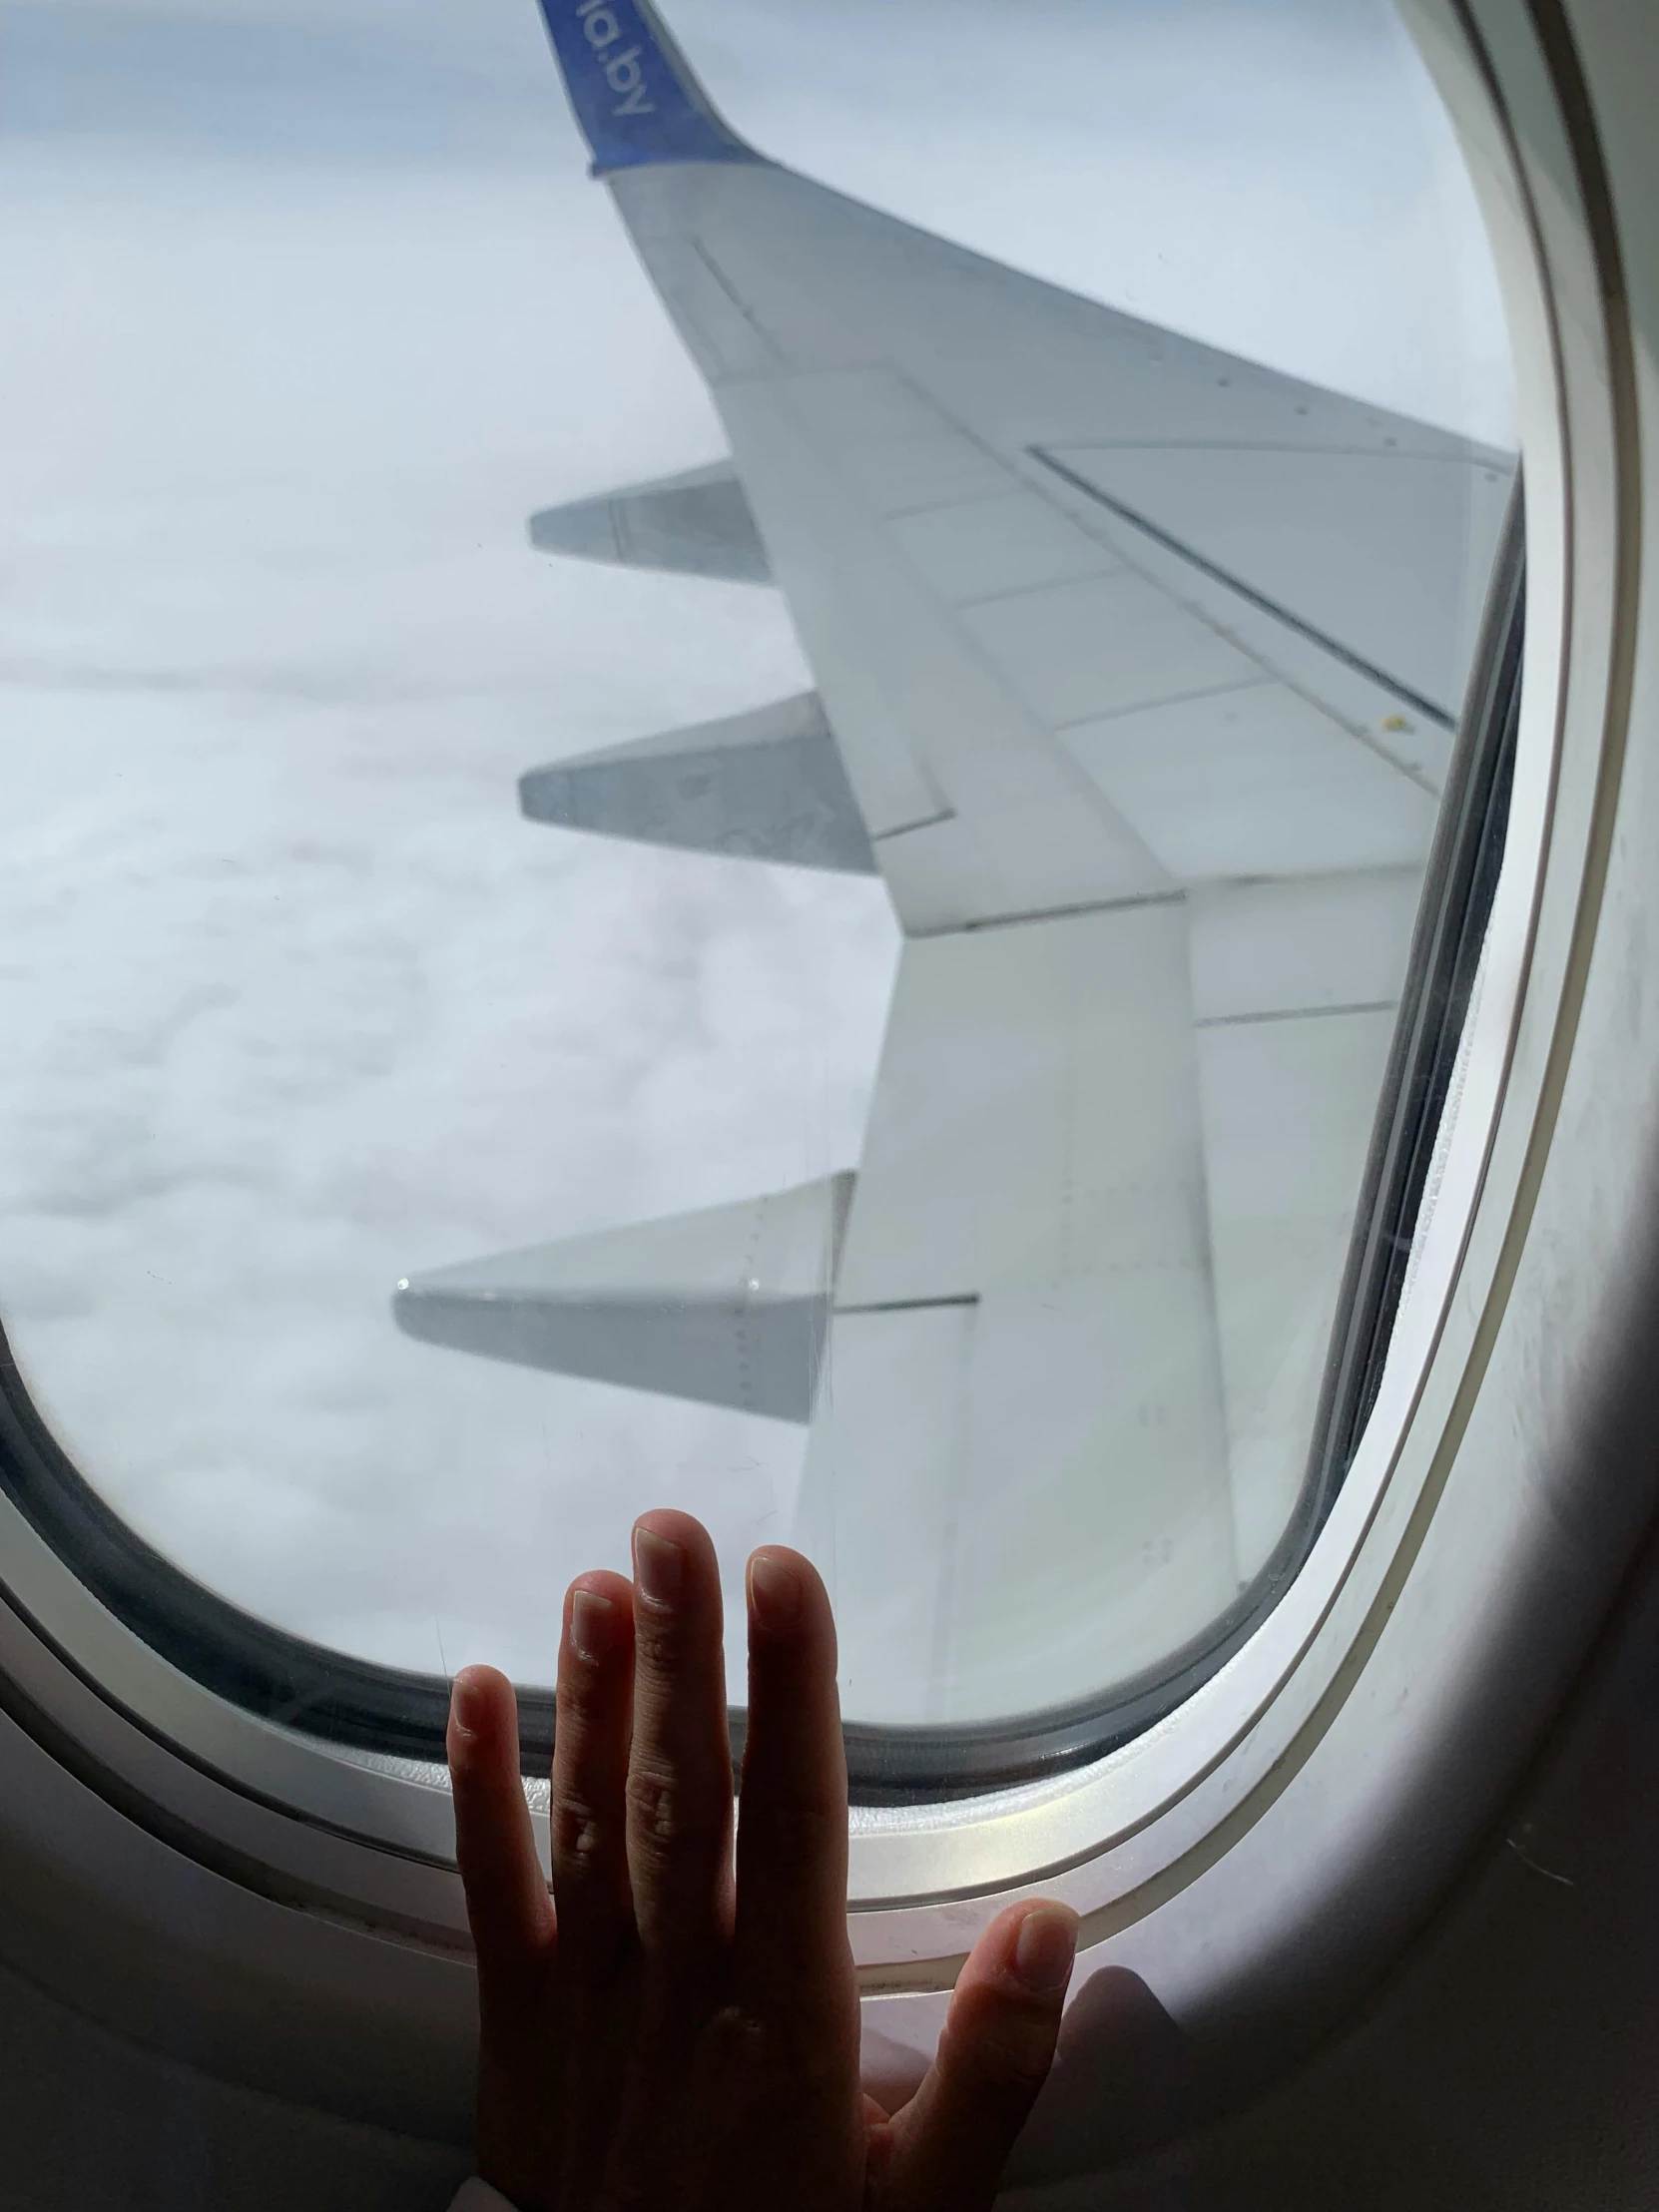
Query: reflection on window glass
666,842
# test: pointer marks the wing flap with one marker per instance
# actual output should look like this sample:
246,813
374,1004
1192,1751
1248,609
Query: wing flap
1255,780
1023,1367
1020,1500
1284,524
1035,1116
1102,645
1308,945
1012,541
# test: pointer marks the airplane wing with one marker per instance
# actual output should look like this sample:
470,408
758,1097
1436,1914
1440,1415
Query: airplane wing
1141,665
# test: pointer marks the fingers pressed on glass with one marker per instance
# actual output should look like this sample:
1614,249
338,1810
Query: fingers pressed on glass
952,2140
680,1763
506,1897
588,1808
792,1953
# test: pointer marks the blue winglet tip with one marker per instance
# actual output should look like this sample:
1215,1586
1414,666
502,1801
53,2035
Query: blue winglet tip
634,96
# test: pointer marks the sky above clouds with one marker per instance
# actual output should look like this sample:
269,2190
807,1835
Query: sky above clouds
304,308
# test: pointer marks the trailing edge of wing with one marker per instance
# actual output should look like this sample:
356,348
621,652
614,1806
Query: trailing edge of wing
634,95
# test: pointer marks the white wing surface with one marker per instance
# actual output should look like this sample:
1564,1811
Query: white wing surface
1142,662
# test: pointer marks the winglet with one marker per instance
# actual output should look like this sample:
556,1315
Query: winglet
633,94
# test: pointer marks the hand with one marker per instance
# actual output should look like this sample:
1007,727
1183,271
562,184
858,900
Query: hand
659,2036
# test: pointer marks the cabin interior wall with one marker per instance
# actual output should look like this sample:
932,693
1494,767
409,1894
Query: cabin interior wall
90,2122
1511,2059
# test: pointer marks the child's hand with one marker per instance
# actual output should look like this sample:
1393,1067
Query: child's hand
659,2036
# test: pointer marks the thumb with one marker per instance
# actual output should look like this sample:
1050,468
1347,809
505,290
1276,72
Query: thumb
952,2140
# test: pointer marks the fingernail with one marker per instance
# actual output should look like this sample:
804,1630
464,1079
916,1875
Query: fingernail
591,1625
1045,1947
774,1590
467,1702
659,1566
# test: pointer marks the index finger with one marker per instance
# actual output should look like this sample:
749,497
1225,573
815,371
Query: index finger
791,1940
506,1895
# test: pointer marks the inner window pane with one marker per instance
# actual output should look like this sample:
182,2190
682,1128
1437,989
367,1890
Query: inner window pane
336,961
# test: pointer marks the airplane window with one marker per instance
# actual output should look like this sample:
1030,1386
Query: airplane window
681,829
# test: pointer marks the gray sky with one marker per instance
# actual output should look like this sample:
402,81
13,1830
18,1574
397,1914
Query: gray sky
305,308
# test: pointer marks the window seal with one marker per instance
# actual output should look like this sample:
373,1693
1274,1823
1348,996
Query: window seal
1441,976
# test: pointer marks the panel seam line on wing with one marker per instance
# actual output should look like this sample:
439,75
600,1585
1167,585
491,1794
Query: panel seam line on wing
905,829
1051,913
910,1304
1260,599
1294,1013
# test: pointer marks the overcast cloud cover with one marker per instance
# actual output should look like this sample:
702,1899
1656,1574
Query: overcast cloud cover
305,304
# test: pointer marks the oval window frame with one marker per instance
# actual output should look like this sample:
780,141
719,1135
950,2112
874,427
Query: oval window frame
1214,1845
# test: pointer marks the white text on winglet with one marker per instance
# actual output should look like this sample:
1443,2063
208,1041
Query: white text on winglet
622,71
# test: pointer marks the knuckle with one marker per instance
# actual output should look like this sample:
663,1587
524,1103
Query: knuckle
583,1688
670,1804
800,1829
756,2060
671,1841
655,1806
578,1831
738,2046
816,2062
659,1645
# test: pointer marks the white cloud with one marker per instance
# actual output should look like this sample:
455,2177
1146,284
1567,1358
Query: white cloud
297,1002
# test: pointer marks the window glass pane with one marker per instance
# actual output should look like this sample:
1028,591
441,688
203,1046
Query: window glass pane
1094,865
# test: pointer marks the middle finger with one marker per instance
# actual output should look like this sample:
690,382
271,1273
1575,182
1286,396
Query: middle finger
590,1772
680,1767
